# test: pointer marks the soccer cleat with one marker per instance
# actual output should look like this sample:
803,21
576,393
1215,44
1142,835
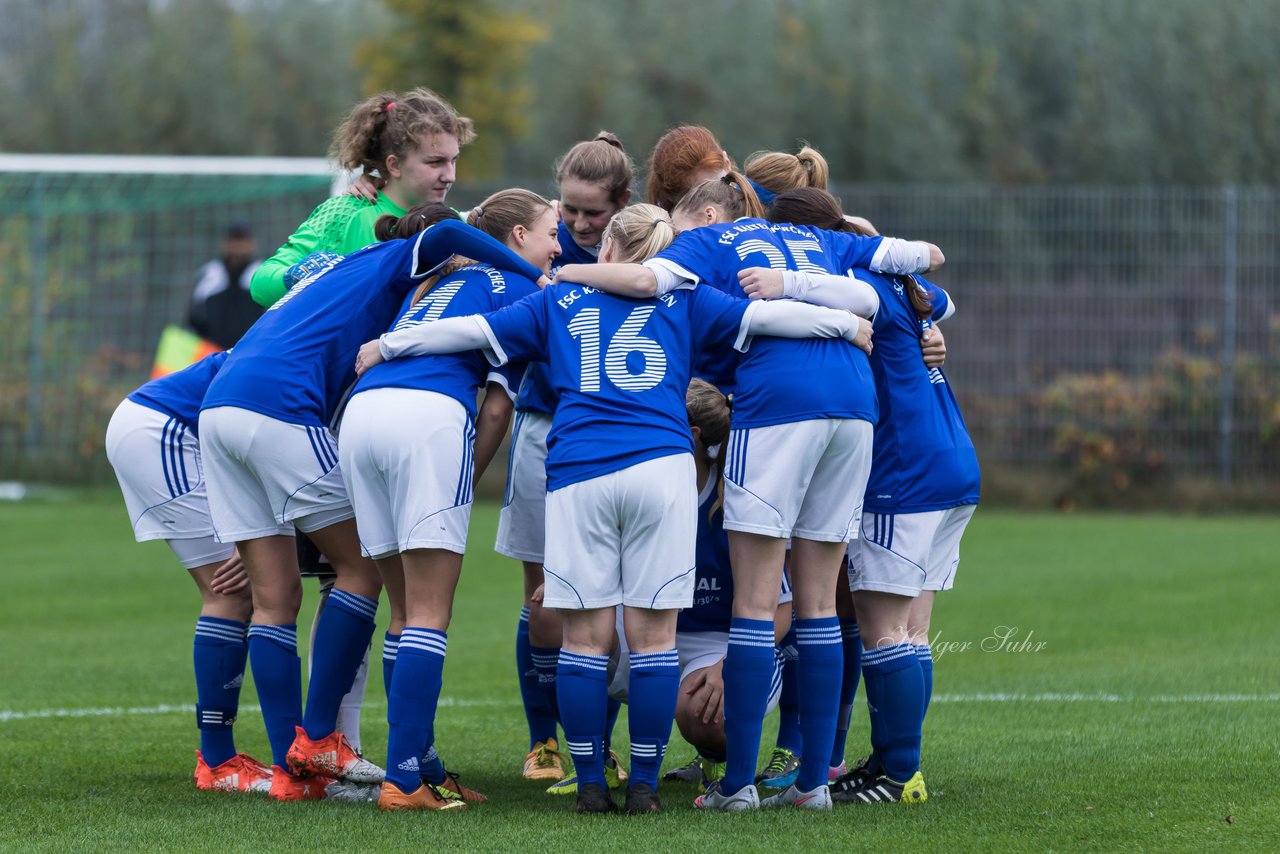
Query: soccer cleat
286,787
543,762
746,798
352,793
712,770
835,772
454,790
883,790
240,773
642,798
614,775
331,756
859,775
691,773
425,797
594,798
818,799
781,771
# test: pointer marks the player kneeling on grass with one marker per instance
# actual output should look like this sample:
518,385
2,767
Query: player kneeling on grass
621,500
702,632
152,445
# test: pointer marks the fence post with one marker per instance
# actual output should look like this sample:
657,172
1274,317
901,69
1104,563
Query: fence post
35,364
1226,415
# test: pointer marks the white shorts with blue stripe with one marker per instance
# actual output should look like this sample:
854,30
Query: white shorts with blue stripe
628,537
523,520
802,479
157,462
267,477
409,457
905,553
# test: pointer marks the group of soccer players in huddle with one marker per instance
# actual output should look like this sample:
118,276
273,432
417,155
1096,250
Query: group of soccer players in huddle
737,475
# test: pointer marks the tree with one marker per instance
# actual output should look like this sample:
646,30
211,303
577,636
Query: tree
473,52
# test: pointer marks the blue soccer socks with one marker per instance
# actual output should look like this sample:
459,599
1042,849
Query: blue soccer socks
652,691
852,643
582,687
220,651
538,712
748,675
895,699
925,654
390,646
277,673
342,639
411,709
819,668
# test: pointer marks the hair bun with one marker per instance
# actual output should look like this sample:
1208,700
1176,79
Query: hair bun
611,139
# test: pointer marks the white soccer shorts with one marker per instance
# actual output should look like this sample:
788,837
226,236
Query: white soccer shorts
905,553
803,479
267,477
408,457
157,462
628,537
523,520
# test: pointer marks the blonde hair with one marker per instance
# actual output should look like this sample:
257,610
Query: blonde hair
731,193
778,171
601,161
387,124
708,411
639,232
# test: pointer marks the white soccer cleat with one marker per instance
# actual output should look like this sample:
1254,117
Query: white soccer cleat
817,799
746,798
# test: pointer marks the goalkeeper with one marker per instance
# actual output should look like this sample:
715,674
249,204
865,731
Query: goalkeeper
411,142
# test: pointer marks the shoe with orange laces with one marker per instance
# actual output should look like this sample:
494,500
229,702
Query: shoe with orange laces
453,789
240,773
331,756
286,787
425,797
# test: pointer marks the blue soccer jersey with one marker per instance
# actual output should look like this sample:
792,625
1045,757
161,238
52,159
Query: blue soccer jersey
297,362
620,366
780,380
923,459
179,394
477,289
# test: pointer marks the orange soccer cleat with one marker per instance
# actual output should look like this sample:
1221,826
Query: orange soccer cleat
286,787
331,756
454,790
240,773
425,797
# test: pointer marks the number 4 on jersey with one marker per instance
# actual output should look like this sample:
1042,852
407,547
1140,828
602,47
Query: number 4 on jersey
585,326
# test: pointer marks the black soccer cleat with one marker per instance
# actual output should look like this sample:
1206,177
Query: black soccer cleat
642,798
594,798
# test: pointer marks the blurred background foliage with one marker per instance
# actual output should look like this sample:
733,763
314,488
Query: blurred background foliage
1003,91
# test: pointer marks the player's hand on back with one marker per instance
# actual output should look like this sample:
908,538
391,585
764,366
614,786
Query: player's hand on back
862,338
364,187
761,282
370,354
933,346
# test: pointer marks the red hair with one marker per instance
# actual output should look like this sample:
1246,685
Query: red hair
680,156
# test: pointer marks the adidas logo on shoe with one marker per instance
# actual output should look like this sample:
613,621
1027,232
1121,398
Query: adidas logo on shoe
227,784
410,764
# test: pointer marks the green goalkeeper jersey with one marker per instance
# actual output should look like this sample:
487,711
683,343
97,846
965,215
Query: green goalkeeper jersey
342,225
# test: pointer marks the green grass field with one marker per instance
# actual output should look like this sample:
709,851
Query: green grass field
1134,705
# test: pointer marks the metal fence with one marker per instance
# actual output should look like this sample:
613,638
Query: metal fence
1116,338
